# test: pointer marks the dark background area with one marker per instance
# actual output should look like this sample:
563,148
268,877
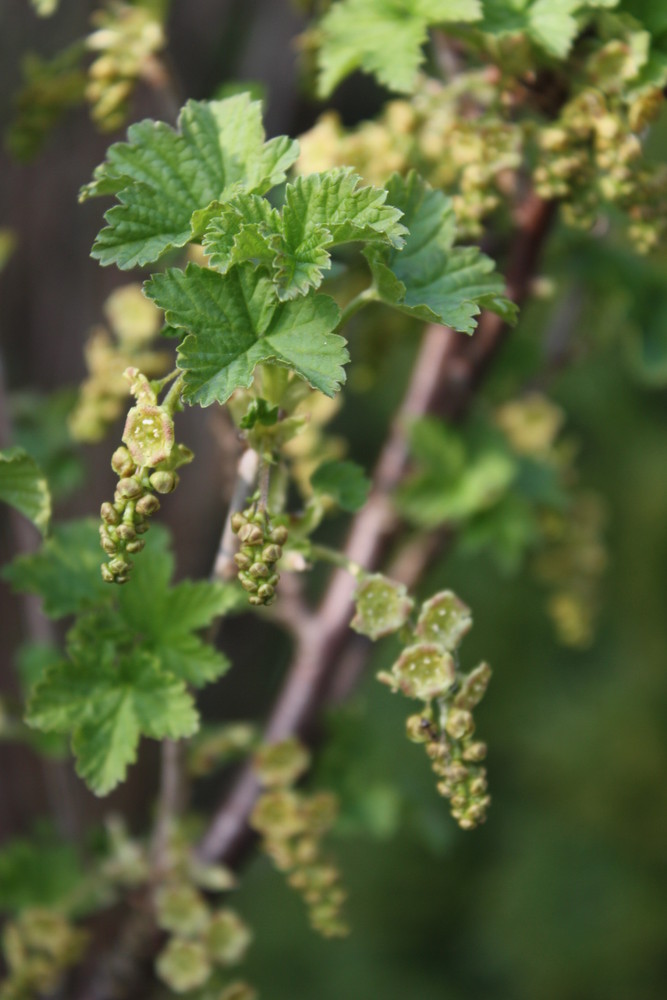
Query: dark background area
562,895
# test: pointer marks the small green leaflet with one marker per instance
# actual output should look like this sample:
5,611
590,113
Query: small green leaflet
383,37
108,703
66,570
24,486
236,321
161,176
344,482
551,24
320,211
166,618
430,278
451,484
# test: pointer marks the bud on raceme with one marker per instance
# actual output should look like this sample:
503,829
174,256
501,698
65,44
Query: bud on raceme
146,464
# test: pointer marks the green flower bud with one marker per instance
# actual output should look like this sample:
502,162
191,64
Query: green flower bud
457,772
279,534
444,619
121,462
238,991
149,435
181,909
474,752
227,938
127,532
129,489
478,786
164,482
382,606
473,687
259,570
278,815
320,812
242,560
251,534
107,575
248,583
109,514
183,965
147,505
423,671
281,763
119,565
419,729
271,553
135,546
460,723
266,593
237,522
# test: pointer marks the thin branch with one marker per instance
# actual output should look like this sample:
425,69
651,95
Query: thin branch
60,789
224,567
448,370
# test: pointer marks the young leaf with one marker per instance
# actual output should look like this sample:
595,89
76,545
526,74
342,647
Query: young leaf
344,482
430,278
450,485
24,486
384,37
108,704
166,618
320,211
66,570
236,322
161,176
551,24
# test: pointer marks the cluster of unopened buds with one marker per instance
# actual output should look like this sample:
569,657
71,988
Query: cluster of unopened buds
428,670
146,464
292,825
261,548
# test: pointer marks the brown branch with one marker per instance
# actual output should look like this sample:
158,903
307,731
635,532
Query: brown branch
448,370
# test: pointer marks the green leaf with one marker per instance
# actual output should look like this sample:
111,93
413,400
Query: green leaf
40,871
236,322
345,482
239,231
320,211
430,278
162,176
66,570
166,617
108,703
551,24
450,484
383,37
24,486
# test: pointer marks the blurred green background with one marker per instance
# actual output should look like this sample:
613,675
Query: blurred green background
562,895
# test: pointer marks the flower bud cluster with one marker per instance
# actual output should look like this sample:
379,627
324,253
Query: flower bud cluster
126,42
456,757
592,155
204,940
428,671
292,825
261,548
456,135
133,322
571,562
39,946
146,464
